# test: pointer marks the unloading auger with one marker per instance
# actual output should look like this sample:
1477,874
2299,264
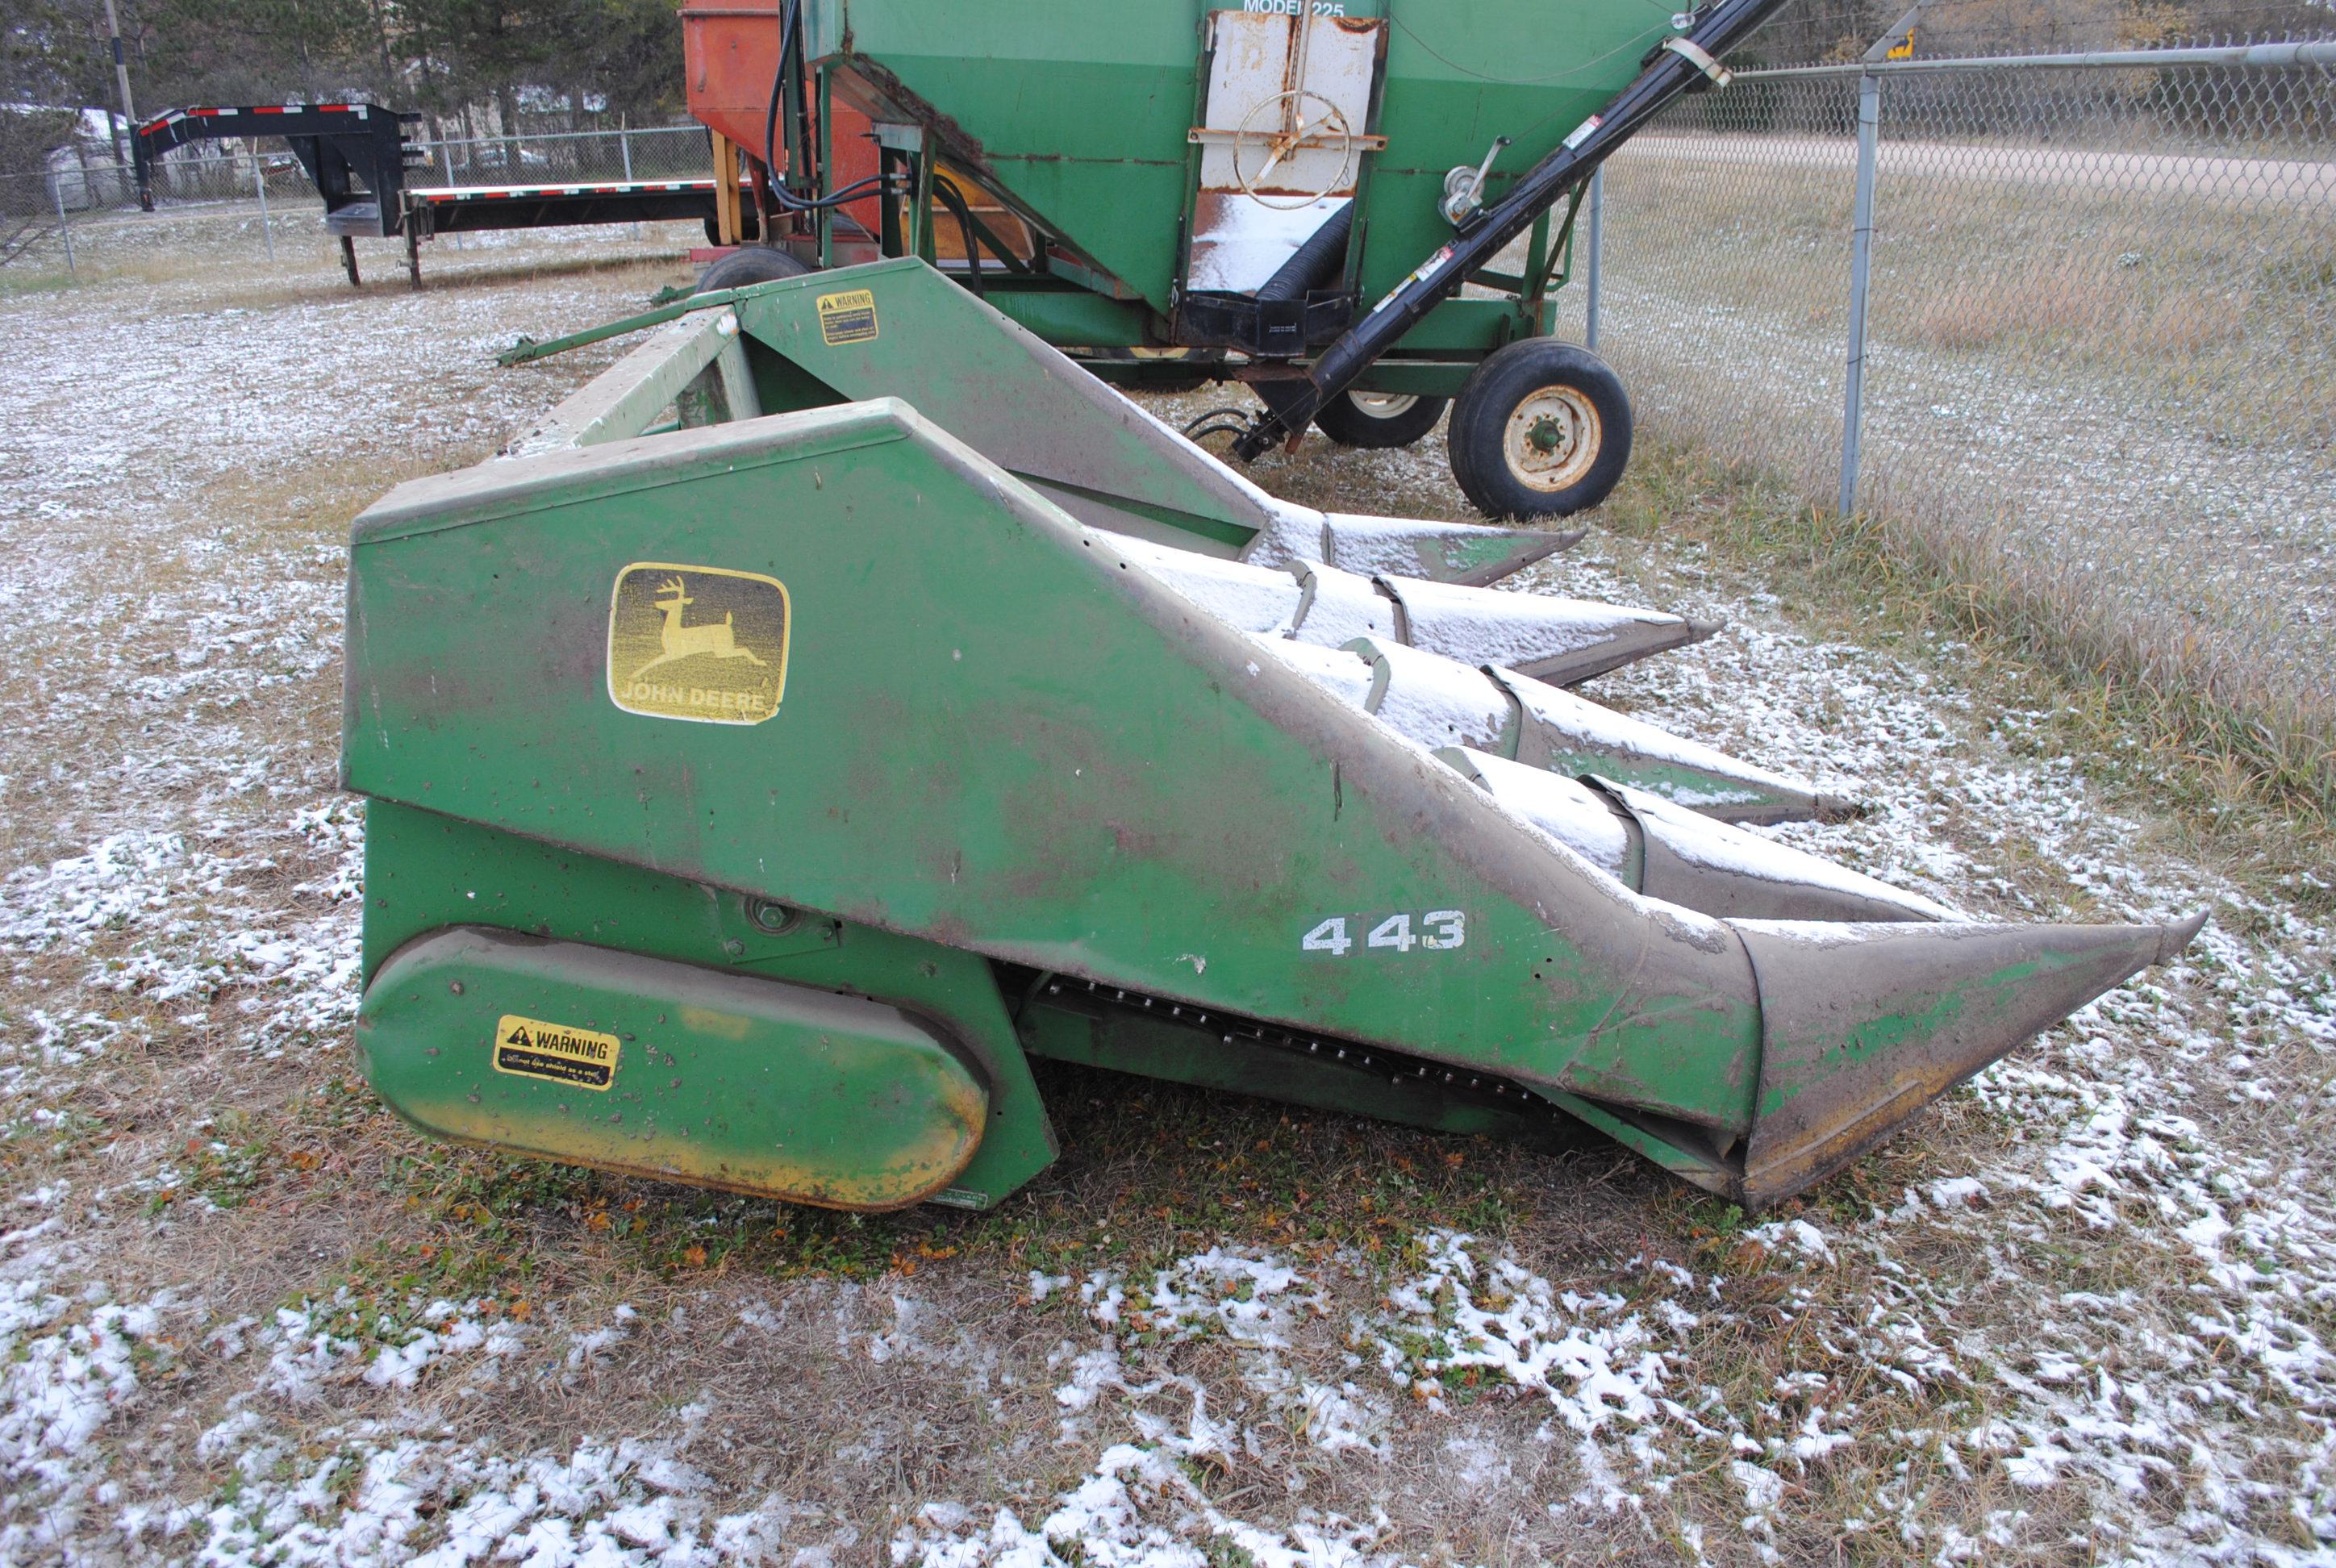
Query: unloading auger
844,700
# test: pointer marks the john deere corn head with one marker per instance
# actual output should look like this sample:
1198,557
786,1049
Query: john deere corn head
845,699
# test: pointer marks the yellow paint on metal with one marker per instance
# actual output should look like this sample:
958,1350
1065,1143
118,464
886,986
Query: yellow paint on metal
700,643
918,1169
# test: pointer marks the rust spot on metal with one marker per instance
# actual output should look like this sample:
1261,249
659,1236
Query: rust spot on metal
961,143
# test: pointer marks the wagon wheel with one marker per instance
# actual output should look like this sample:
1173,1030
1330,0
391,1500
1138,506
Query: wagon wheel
750,264
1377,419
1540,429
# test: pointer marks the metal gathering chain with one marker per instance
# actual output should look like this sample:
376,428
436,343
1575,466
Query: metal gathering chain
1399,1070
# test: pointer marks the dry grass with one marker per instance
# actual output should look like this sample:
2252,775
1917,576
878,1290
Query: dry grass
2078,300
2157,293
2098,425
2249,777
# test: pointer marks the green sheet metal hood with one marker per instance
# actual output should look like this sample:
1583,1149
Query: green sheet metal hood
1081,113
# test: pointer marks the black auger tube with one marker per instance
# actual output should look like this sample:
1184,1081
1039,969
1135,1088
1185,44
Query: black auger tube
1716,29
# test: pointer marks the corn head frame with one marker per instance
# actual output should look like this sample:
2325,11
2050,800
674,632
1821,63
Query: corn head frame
846,698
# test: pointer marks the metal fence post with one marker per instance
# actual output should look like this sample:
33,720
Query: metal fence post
1861,269
1597,223
446,176
64,226
259,183
625,146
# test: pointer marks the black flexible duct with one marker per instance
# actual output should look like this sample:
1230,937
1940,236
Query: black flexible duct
1315,262
954,200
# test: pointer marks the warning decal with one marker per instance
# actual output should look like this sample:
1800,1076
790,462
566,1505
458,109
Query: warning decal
847,317
698,642
531,1048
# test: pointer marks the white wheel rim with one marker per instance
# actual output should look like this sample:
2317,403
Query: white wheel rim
1382,404
1552,439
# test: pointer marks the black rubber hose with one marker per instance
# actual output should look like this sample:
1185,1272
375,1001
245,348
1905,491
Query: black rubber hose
1315,262
954,200
779,192
1198,424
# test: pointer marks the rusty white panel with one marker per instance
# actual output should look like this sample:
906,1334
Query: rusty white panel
1238,242
1252,60
1259,56
1241,237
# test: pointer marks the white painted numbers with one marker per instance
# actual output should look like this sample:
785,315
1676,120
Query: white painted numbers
1295,8
1438,930
1330,937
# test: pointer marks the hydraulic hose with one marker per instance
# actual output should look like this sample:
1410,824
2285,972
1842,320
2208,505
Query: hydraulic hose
1673,67
785,198
954,200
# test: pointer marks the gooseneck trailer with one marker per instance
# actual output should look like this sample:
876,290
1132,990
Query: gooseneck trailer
1319,198
359,156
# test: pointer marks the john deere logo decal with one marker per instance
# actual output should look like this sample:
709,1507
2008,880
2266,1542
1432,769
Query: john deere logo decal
698,642
532,1049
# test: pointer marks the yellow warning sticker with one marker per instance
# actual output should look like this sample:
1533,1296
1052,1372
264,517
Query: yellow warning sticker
847,317
701,643
532,1049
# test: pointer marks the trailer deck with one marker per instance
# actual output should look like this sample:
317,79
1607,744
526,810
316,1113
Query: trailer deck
358,156
453,209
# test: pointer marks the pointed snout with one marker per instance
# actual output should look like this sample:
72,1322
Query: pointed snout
1863,1027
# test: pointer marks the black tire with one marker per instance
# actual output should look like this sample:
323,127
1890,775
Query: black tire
1534,392
1152,371
750,264
750,231
1377,419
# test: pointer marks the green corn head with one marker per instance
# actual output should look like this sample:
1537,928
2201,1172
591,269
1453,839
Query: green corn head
750,800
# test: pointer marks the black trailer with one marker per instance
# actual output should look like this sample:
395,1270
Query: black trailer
358,155
449,209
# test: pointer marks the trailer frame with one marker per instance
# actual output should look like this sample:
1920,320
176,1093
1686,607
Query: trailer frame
358,156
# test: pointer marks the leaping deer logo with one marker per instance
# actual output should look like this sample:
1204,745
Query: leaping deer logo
714,639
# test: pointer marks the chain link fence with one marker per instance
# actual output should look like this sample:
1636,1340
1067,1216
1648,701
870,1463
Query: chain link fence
670,152
2097,295
38,208
60,218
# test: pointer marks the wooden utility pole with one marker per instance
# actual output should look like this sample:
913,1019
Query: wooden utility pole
120,67
129,112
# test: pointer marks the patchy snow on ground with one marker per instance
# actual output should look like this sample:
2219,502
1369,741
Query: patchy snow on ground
2084,1312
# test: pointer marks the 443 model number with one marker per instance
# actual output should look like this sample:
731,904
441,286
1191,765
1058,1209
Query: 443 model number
1438,930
